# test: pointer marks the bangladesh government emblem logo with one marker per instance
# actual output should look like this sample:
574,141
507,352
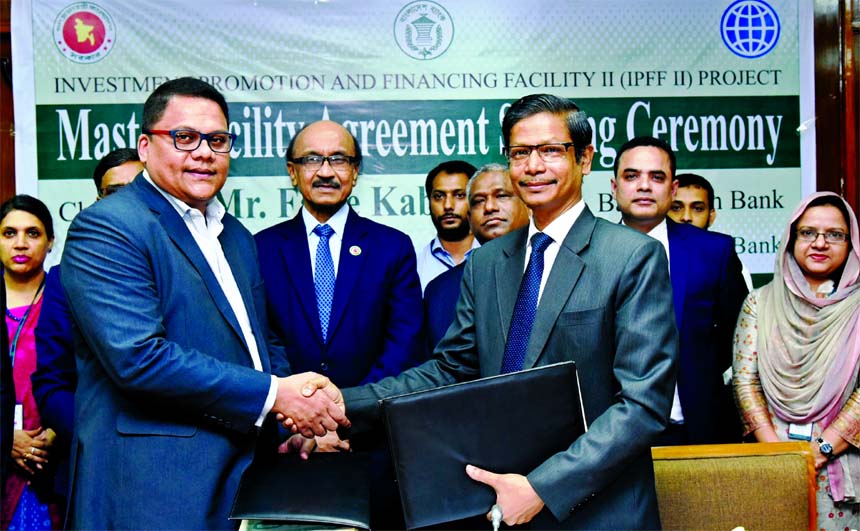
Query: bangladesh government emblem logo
750,28
84,32
423,30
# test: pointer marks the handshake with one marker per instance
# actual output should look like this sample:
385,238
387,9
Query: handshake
302,410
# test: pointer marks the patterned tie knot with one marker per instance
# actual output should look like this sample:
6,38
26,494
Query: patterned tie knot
324,231
540,242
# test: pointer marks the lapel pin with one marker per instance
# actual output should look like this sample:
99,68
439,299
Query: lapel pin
355,250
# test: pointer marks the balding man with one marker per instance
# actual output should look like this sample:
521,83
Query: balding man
343,290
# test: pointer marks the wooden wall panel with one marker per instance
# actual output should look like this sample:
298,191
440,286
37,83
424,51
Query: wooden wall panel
851,118
7,128
836,97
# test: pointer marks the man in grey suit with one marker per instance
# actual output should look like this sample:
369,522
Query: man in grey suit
606,304
176,367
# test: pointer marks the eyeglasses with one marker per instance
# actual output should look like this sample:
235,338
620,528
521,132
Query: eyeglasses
314,162
189,140
831,236
547,152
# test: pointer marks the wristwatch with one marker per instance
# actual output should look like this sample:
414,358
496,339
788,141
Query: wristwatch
825,448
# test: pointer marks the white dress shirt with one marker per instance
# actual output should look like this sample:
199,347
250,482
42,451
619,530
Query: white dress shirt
205,231
557,230
338,223
661,234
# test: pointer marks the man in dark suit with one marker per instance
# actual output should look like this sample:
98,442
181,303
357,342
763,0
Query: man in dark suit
374,324
174,354
372,308
694,203
55,377
707,289
604,301
494,210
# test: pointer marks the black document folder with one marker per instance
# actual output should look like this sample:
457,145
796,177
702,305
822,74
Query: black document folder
329,490
509,423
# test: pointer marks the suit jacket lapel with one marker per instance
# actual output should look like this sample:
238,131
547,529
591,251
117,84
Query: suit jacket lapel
233,251
297,264
176,230
560,285
679,269
349,268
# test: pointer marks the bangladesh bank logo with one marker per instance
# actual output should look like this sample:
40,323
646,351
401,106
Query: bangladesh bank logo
84,32
423,30
750,28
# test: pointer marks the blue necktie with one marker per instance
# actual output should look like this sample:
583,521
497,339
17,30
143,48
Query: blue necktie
526,306
324,277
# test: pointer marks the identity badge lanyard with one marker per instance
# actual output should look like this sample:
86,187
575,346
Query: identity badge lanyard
13,345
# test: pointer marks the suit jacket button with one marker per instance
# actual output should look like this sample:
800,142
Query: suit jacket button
324,366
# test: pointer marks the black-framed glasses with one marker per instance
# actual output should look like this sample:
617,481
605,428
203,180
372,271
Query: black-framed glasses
547,152
189,140
830,236
314,162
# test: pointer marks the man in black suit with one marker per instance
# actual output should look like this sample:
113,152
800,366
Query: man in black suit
707,289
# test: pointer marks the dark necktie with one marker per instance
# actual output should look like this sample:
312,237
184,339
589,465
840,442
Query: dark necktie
526,306
324,277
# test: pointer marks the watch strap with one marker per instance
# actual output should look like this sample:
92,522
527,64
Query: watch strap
825,448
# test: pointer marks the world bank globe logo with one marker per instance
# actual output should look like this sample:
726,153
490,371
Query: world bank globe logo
750,28
423,30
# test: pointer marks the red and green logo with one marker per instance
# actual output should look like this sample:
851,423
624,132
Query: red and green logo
84,32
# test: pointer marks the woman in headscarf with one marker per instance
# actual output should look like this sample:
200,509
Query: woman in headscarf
797,345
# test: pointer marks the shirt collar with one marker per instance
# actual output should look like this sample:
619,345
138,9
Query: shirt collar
337,222
436,246
214,209
660,232
560,226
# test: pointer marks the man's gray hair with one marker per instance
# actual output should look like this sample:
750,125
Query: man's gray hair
486,168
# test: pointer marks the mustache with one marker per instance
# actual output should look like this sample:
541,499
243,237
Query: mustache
328,183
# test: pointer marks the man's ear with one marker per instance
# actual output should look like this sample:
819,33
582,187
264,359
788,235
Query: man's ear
711,217
143,148
294,178
586,159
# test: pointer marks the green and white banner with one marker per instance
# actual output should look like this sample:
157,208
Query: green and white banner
726,83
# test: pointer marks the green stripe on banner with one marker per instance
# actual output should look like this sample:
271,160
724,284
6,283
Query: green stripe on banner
406,137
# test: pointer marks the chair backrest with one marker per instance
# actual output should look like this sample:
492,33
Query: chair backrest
758,486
